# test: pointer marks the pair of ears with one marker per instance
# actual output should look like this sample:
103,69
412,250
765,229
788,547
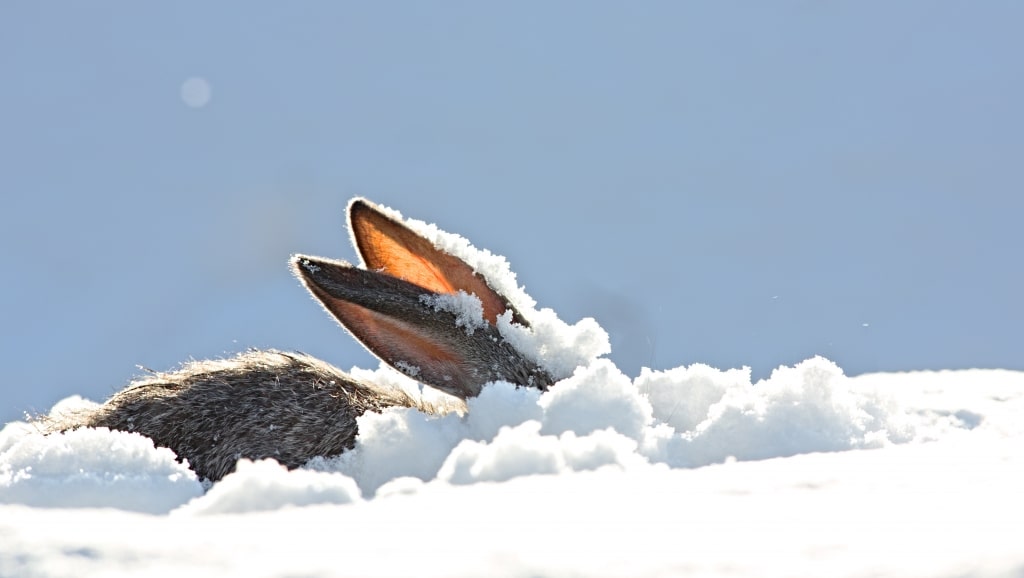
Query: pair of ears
384,307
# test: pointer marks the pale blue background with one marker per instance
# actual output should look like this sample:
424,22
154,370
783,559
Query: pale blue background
734,183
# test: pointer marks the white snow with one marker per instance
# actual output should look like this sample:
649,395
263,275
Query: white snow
690,471
266,485
91,468
468,311
521,503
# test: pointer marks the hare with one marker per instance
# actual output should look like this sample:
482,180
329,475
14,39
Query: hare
293,407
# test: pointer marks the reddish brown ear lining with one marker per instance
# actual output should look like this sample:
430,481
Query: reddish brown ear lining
386,244
399,252
402,346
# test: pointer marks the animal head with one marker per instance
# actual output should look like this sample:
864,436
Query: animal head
410,305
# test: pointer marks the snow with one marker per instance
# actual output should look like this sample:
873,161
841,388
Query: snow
468,311
690,471
97,468
266,485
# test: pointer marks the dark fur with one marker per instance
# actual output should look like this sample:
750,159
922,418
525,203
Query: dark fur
259,404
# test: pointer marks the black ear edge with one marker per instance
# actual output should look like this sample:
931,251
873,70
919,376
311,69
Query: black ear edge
344,280
298,262
359,205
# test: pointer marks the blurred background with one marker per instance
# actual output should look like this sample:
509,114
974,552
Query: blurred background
737,184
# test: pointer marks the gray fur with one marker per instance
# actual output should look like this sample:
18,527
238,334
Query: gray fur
258,404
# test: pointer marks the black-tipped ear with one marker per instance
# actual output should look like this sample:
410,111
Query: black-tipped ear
387,245
390,317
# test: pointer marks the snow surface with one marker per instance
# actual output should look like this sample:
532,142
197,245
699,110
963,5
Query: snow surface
594,478
691,471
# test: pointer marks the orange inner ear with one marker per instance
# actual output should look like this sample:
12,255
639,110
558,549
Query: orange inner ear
389,246
396,343
388,336
400,257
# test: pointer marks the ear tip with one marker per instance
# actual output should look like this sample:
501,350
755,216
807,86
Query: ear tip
297,260
361,212
359,204
306,266
303,266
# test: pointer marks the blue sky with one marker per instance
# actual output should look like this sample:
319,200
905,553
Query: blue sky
738,184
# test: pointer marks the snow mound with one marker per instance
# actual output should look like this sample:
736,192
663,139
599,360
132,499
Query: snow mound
522,451
683,418
91,468
713,415
266,485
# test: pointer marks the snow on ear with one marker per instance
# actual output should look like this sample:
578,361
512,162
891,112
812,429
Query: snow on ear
391,318
385,244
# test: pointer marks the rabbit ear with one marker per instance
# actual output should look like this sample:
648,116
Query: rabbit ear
391,318
387,245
